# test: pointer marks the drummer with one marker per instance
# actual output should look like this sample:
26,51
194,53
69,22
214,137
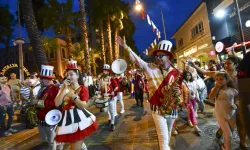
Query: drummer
109,89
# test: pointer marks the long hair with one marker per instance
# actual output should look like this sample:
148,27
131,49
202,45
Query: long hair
227,78
80,79
185,73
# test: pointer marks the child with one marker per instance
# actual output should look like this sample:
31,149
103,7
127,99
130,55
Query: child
224,93
191,98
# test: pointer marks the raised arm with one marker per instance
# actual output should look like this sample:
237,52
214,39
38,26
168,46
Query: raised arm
133,56
207,73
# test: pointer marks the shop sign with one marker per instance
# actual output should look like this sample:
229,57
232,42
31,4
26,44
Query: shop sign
7,67
191,51
245,6
219,46
181,56
202,46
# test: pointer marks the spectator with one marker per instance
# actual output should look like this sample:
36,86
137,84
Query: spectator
6,106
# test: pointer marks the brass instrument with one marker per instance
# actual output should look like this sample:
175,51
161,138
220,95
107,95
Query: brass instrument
171,97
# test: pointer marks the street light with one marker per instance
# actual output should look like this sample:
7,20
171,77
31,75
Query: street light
221,13
138,7
248,23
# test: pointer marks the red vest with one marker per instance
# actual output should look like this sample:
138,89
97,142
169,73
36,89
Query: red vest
169,79
48,95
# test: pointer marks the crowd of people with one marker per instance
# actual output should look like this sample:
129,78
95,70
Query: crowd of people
169,90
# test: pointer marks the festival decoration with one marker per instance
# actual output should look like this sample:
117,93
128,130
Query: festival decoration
7,67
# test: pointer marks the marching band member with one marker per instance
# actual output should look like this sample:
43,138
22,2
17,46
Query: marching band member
77,122
45,103
120,92
109,88
164,80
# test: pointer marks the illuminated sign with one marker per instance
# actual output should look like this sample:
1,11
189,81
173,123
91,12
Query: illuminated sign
7,67
181,56
202,46
191,51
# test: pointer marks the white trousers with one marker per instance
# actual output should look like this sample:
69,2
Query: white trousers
120,98
163,128
111,109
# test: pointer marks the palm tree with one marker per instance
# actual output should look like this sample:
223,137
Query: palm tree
94,55
84,35
95,10
31,26
62,19
118,25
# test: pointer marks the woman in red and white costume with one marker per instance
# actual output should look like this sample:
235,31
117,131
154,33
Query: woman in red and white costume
77,122
109,89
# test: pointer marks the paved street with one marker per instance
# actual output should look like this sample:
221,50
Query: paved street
135,130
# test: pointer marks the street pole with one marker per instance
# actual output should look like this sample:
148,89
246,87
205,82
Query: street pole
163,24
240,27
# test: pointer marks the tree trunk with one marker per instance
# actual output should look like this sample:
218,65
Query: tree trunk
68,42
102,43
31,26
109,41
116,46
94,65
84,34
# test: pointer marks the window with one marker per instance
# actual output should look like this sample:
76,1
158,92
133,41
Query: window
197,29
64,53
180,42
51,54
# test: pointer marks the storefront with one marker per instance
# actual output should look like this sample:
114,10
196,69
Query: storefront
201,50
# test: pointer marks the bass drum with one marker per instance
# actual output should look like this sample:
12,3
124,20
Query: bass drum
102,103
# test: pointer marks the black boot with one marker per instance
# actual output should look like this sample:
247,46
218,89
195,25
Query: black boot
112,127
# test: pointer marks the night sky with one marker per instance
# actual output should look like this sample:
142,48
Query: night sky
175,13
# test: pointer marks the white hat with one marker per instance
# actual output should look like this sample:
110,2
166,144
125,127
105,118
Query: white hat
46,72
106,67
165,47
72,64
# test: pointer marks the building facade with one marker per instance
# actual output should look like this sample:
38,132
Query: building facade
57,57
225,28
193,38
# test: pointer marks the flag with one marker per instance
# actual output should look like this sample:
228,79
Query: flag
149,21
155,42
143,14
159,35
152,45
153,25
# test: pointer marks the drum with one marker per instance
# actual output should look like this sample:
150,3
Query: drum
102,103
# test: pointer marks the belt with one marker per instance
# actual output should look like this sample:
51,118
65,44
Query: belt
43,123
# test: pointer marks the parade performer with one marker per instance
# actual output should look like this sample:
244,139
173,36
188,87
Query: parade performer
164,89
45,103
109,89
77,122
119,80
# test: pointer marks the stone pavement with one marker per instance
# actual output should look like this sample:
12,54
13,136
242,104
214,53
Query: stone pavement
135,130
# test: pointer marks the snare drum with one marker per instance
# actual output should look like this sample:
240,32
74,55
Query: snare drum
101,103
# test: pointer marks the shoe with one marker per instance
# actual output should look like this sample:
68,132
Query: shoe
175,132
116,114
223,147
218,135
112,127
243,146
122,111
13,130
84,147
7,133
197,130
190,124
